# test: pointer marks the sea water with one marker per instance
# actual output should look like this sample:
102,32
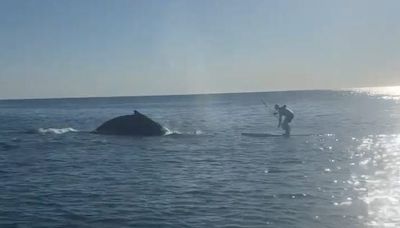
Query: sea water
346,173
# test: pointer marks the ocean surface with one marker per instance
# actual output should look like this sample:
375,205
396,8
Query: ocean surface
205,173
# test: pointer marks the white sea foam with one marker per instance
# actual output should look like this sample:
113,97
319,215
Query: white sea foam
56,130
171,132
176,132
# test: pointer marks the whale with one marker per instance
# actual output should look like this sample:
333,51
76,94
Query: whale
136,124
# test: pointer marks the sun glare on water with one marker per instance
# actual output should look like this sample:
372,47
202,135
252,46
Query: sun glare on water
377,179
389,93
376,168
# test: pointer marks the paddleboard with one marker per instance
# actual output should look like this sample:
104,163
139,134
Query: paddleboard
271,135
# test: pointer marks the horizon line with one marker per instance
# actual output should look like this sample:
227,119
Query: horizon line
189,94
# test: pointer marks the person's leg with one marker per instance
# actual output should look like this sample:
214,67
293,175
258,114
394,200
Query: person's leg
286,127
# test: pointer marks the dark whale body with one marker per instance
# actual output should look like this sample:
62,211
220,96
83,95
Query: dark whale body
136,125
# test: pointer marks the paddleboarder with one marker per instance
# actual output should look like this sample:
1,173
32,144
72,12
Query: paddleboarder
288,117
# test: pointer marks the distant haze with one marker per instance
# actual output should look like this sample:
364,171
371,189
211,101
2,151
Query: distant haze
79,48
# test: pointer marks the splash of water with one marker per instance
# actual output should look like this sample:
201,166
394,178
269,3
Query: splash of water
56,130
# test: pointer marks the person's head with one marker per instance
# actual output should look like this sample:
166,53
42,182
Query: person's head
276,107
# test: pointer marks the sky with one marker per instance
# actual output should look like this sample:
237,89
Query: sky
89,48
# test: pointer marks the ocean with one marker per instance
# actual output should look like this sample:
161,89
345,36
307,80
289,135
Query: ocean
343,172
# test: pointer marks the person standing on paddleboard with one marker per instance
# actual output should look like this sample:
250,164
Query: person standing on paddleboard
288,114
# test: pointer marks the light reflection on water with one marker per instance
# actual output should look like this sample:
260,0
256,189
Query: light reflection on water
377,179
387,93
376,173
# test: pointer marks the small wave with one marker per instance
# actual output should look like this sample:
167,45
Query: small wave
56,130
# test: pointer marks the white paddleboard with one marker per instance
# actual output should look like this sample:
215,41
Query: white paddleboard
271,135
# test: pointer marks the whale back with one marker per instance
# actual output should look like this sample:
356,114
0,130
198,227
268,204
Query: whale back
136,124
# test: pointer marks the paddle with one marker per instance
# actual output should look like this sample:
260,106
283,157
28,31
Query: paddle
269,108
